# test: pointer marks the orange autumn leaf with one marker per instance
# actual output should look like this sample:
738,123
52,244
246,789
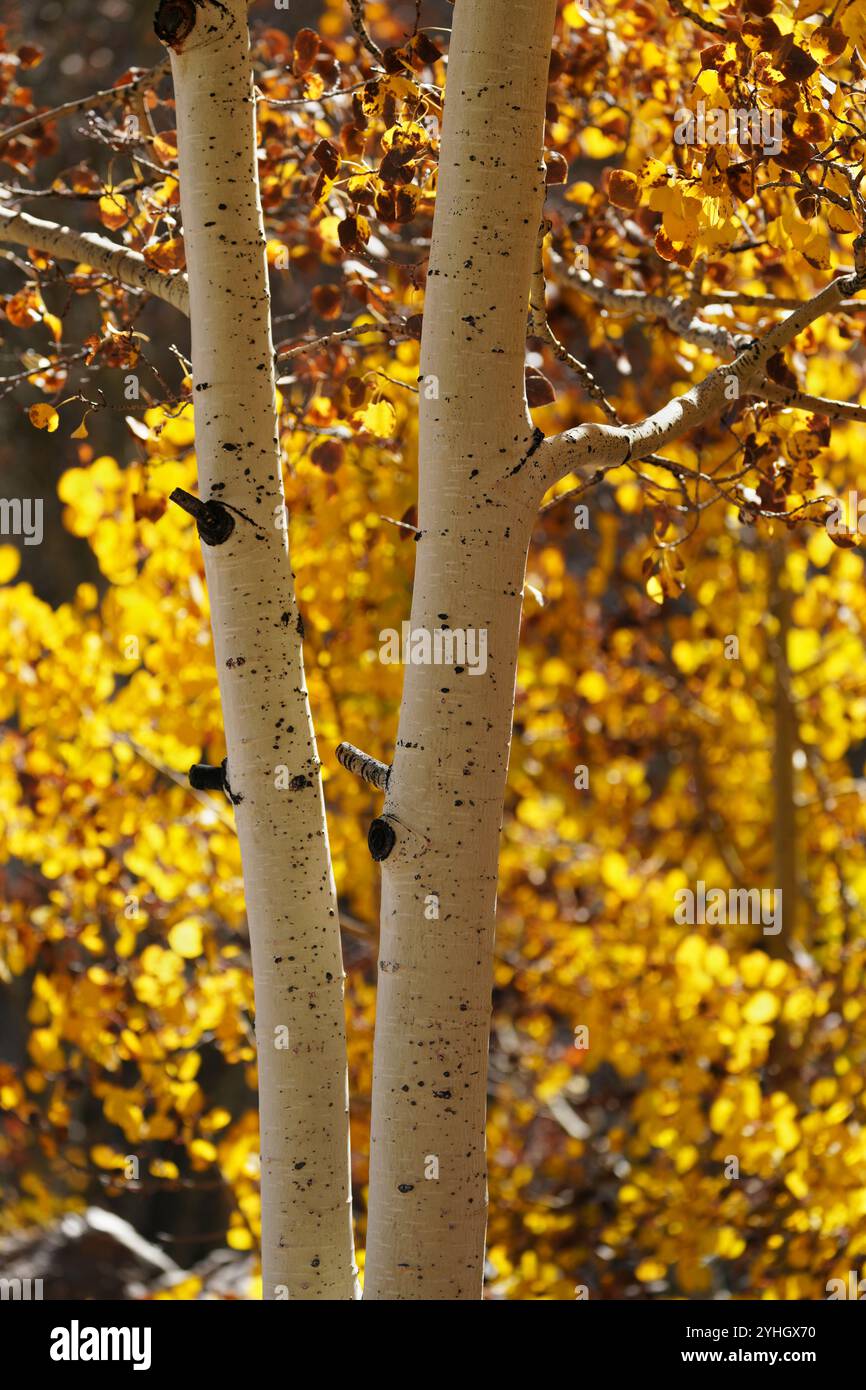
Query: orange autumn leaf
44,417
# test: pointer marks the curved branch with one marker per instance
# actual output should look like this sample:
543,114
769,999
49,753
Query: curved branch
597,446
819,405
119,263
710,26
359,24
676,313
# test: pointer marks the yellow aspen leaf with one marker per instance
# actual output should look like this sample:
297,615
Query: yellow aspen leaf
202,1151
44,417
796,1183
10,563
592,686
185,937
115,210
165,254
105,1157
239,1238
572,16
55,324
729,1244
763,1007
654,589
379,418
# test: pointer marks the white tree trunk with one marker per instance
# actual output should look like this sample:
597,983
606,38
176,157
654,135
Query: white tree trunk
273,768
480,484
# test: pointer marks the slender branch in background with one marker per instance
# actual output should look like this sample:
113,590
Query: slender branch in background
88,103
214,807
735,300
539,327
785,742
713,819
284,352
359,24
680,8
819,405
676,313
280,102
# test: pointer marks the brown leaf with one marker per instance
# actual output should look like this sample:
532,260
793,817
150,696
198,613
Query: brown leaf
798,64
146,507
556,168
623,189
426,50
327,156
328,455
307,44
327,301
539,391
795,154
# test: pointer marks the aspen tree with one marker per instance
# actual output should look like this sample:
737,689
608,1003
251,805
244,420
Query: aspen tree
273,772
483,471
439,832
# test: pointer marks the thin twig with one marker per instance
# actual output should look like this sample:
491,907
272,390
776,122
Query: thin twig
87,103
359,24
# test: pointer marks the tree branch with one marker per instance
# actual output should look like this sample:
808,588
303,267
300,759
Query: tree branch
539,327
819,405
681,9
87,103
597,446
119,263
362,765
360,26
676,313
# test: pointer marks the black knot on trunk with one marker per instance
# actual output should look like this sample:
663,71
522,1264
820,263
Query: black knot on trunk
174,21
381,839
214,521
204,778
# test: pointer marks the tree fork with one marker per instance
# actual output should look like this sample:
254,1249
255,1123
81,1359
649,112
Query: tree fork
307,1250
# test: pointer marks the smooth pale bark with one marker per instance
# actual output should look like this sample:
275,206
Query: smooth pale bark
273,768
479,491
116,262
